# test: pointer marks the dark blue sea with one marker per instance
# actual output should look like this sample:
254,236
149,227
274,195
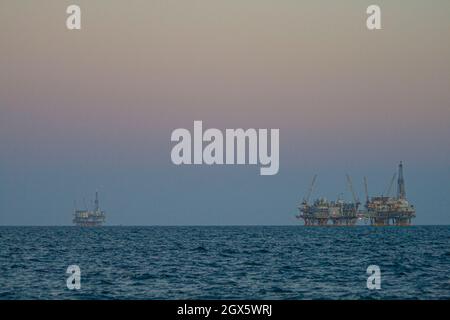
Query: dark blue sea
291,262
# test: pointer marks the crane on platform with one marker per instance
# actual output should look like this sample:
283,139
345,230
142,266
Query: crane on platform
390,185
310,190
350,185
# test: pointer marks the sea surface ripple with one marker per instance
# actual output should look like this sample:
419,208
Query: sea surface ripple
235,262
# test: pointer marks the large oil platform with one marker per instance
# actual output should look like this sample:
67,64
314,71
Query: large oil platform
381,210
90,218
323,212
387,210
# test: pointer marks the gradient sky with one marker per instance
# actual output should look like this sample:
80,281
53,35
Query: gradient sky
94,109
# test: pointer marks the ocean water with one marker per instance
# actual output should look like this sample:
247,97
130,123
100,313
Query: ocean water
291,262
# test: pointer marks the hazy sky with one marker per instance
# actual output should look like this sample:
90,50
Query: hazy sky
94,109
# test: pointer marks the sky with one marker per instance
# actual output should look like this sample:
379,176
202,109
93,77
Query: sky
94,109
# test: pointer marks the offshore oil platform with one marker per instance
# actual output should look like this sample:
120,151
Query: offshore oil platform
321,212
90,218
387,210
381,210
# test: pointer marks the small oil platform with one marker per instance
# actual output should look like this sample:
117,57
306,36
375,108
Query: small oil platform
90,218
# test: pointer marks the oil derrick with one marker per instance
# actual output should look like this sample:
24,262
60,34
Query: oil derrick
401,192
96,204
